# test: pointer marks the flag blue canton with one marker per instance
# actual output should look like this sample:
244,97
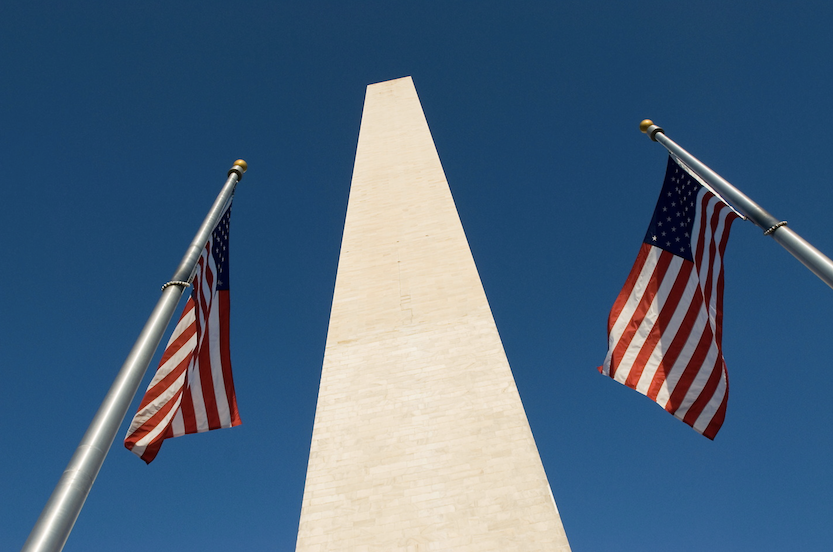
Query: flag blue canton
670,227
219,250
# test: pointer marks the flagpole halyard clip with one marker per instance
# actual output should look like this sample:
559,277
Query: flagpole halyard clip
775,227
176,283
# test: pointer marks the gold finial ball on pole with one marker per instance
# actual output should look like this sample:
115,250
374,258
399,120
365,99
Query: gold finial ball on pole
645,125
239,167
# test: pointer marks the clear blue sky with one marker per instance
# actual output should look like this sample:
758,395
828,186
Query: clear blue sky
120,120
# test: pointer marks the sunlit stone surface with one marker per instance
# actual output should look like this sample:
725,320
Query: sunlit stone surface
420,440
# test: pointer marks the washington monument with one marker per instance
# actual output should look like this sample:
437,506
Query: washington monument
420,441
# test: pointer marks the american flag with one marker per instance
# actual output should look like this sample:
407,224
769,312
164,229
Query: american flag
665,329
192,390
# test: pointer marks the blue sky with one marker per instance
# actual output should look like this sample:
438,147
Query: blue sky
120,120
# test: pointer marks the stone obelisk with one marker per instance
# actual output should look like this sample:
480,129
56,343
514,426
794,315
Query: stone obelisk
420,440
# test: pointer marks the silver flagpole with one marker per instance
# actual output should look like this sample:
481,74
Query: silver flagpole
52,529
812,258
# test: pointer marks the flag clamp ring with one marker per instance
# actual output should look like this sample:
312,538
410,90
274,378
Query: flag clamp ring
176,283
775,227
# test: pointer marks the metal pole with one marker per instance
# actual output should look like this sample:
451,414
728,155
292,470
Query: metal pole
52,528
812,258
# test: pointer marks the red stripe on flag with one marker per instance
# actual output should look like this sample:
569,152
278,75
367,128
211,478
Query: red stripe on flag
212,417
717,420
153,422
692,368
678,342
160,386
706,395
667,308
650,290
228,380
